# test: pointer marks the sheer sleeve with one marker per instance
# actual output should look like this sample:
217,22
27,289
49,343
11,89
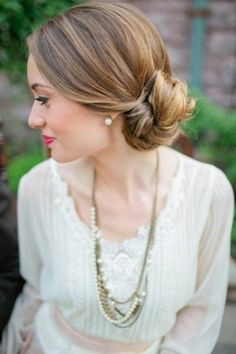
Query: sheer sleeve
198,324
18,332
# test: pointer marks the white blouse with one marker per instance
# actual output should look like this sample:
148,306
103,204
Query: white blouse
58,311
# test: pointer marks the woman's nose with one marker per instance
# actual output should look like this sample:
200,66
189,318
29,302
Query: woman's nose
35,121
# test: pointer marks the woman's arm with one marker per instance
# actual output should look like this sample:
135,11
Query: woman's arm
198,324
19,329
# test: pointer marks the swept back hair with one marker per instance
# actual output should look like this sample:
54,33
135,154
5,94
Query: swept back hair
110,57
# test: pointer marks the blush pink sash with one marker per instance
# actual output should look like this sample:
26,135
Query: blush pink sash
96,344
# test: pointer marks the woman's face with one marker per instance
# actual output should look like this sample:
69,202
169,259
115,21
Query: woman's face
69,129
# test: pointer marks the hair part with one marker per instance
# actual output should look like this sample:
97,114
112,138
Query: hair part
109,57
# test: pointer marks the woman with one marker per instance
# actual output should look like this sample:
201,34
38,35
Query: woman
124,242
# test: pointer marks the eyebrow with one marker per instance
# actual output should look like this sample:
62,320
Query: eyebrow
36,85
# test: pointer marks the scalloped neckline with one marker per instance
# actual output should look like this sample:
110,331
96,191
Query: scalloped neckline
70,207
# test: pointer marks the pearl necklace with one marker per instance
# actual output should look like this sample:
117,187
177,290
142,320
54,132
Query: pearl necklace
107,303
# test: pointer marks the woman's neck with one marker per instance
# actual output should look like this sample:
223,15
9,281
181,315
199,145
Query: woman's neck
125,171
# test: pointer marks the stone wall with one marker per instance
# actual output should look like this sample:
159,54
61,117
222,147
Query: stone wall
220,54
173,19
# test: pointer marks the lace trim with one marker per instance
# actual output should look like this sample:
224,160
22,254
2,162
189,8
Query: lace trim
164,221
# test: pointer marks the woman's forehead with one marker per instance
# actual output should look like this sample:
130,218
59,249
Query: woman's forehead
35,78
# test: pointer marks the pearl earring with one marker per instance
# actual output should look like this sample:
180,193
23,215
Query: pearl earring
108,121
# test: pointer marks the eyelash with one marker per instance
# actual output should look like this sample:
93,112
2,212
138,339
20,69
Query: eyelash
42,99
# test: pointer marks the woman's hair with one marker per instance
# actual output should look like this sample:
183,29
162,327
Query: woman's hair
109,57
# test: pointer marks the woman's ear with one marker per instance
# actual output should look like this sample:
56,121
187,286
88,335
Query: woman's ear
115,115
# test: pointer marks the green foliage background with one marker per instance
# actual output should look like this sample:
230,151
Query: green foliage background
17,19
213,133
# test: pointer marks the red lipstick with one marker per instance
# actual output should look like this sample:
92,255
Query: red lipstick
48,140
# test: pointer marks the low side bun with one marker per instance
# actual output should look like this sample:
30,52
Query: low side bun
156,120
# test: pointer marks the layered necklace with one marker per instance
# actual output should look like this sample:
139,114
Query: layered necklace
107,303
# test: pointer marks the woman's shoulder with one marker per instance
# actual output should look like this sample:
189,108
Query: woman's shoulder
40,170
205,176
192,163
35,179
50,175
200,168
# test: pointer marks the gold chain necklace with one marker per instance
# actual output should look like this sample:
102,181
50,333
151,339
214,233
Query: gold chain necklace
107,303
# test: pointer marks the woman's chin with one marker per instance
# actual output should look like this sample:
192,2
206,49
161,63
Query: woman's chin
60,158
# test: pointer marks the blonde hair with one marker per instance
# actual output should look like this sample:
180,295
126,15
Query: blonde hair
109,57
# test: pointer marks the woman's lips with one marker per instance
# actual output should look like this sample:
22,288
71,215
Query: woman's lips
48,140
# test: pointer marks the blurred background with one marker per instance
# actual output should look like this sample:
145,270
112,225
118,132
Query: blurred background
201,39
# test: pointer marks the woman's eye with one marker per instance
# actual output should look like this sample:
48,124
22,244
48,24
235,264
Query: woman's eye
42,99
